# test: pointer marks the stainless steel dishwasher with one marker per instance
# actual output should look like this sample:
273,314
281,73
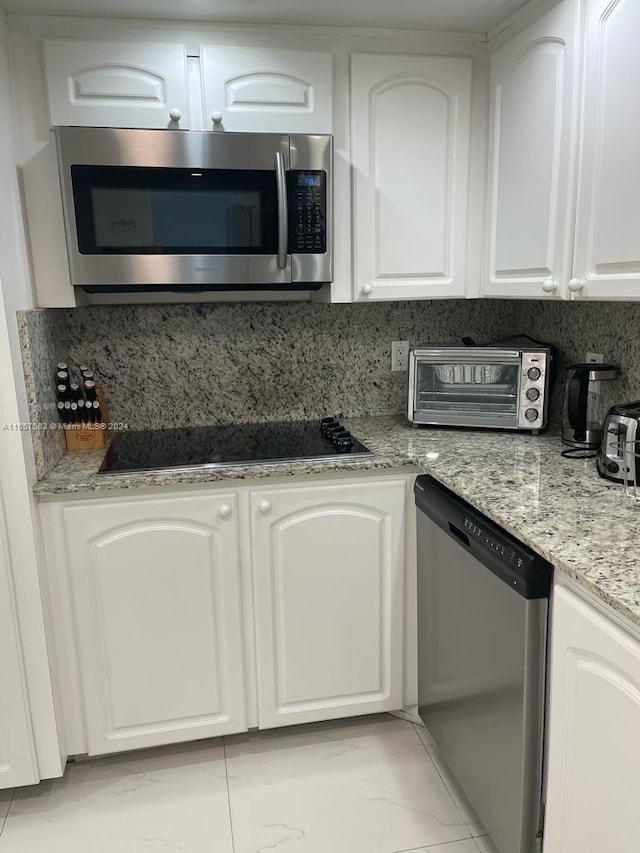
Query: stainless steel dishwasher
482,629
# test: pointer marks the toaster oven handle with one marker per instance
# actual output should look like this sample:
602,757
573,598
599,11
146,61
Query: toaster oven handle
283,215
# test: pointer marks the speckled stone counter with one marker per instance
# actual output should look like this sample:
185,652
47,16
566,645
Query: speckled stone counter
559,507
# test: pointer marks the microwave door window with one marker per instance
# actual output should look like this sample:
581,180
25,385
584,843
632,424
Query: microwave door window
121,218
174,211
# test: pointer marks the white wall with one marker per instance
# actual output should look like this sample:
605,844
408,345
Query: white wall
16,457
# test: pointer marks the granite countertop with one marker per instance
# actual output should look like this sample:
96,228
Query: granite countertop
559,507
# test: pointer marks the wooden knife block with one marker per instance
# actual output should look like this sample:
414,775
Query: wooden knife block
89,436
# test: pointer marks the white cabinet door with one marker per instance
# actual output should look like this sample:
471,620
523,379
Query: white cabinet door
158,620
268,90
108,84
18,764
607,248
328,564
410,156
594,746
531,159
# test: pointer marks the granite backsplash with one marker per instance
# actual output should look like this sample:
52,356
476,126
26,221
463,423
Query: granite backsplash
575,328
179,365
175,365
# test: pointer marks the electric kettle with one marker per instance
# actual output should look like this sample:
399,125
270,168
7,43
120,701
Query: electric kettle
582,420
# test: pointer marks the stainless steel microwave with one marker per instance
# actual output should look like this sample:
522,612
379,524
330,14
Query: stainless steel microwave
185,210
494,387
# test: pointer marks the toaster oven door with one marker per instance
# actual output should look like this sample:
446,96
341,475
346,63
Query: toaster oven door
465,388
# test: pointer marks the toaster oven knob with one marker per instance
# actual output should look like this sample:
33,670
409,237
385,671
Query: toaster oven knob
613,468
531,414
532,394
534,373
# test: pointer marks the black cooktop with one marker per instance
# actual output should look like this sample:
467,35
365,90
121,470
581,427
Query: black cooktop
217,446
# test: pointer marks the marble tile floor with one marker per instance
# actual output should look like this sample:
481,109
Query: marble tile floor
365,785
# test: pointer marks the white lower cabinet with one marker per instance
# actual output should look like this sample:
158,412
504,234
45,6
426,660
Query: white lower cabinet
158,620
594,732
172,613
18,764
328,565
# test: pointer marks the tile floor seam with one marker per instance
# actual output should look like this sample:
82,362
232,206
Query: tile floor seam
226,776
13,793
463,815
437,769
433,846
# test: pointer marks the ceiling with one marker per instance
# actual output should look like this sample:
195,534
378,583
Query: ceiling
454,15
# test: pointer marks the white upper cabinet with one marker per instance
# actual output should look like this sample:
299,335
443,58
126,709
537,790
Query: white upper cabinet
594,732
328,565
607,250
267,90
410,157
108,84
158,620
529,232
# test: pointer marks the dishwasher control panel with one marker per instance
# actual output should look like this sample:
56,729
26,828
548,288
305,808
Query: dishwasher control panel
504,550
512,561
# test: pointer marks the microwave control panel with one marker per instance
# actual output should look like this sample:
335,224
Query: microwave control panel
307,212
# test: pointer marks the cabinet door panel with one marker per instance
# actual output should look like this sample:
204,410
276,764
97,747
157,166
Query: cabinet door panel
594,747
156,598
106,84
328,575
531,163
607,254
410,152
18,764
268,90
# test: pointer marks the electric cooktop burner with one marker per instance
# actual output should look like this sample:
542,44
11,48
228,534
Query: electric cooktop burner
217,446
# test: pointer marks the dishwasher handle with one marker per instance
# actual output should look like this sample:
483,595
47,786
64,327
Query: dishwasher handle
526,572
459,535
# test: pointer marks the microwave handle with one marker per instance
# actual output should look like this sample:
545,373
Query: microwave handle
283,216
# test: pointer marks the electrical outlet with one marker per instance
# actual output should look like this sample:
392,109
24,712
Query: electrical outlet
399,355
595,358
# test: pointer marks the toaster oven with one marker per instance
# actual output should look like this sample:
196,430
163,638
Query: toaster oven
492,387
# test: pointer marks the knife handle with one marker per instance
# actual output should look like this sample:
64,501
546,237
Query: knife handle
90,390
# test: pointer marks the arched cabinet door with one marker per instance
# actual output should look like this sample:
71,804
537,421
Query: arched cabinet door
158,622
328,565
267,89
607,249
594,732
111,84
531,182
410,153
